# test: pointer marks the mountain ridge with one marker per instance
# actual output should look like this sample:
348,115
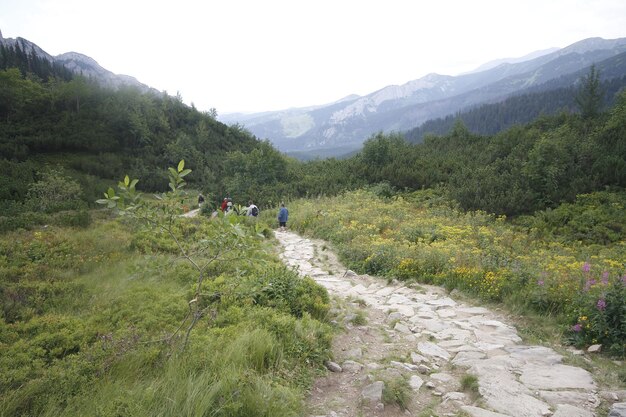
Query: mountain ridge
406,106
79,64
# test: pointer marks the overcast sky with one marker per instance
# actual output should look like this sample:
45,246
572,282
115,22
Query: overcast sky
255,55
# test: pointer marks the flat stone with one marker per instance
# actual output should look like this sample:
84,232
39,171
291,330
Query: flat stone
446,313
502,392
351,366
594,348
473,310
415,382
357,290
618,410
556,377
566,410
385,291
442,302
496,338
417,358
333,367
487,347
614,396
454,396
463,325
398,299
480,412
424,314
394,315
373,393
402,328
404,366
405,310
468,358
434,326
452,343
442,377
535,354
431,349
575,398
423,369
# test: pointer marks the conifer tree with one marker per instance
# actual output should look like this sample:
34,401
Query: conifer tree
589,97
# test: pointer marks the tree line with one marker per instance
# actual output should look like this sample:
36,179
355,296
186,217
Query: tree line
96,134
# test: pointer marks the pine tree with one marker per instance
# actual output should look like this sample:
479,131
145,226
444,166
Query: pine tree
589,97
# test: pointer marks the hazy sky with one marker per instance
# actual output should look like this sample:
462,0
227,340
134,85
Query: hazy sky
254,55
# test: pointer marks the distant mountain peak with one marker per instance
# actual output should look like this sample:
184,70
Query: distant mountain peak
75,56
348,122
497,62
79,64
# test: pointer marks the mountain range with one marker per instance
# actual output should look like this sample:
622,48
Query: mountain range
342,126
78,64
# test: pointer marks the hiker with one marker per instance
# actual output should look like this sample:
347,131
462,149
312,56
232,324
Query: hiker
200,200
283,215
224,204
252,209
231,209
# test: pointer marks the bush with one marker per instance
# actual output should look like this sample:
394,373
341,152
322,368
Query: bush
600,314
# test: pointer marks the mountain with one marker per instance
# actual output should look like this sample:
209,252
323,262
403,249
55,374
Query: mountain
528,57
76,63
348,122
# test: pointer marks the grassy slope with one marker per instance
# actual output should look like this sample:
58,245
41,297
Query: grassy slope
83,311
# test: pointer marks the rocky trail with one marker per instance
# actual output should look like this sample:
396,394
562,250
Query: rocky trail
458,359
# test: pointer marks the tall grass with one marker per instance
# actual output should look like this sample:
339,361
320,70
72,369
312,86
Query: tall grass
88,317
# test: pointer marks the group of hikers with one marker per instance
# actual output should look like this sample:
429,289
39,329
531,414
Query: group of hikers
228,208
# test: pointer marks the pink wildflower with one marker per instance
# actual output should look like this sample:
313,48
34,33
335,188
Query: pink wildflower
605,277
577,327
586,267
601,305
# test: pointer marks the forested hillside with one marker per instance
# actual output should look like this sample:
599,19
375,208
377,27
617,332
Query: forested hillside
490,119
51,120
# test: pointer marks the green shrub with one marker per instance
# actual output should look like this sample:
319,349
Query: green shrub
600,314
397,391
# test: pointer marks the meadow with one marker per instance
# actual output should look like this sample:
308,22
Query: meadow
92,317
565,265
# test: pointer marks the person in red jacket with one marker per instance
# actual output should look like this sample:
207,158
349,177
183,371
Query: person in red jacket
224,204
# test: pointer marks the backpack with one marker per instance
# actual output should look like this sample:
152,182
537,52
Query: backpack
255,211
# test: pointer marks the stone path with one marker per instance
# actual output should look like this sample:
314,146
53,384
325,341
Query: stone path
423,336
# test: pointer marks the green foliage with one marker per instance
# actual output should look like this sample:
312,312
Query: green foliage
89,324
600,312
422,237
54,192
397,391
593,218
589,96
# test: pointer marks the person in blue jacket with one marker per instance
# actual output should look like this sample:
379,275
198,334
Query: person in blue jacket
283,215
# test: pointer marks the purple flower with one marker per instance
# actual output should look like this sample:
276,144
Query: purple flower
577,327
540,282
624,280
586,267
589,284
601,305
605,277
